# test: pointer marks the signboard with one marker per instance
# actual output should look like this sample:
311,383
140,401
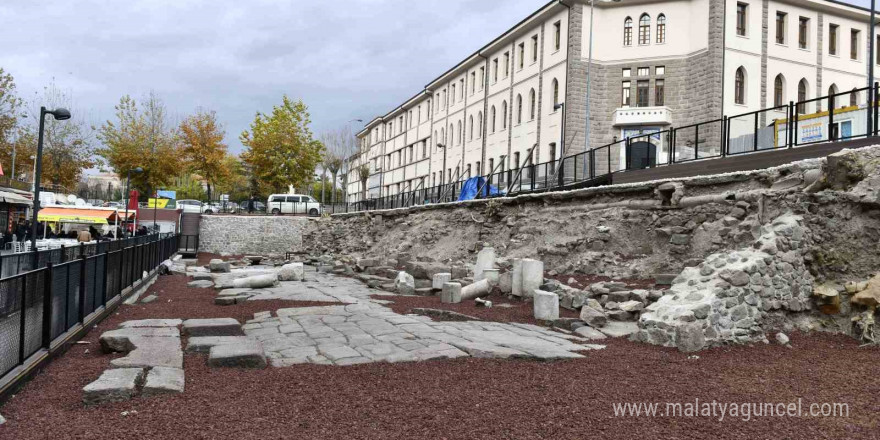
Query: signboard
812,131
157,203
167,194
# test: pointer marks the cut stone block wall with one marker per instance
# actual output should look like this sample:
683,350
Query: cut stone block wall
252,235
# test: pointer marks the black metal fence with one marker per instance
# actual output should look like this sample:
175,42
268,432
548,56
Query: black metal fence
39,305
845,116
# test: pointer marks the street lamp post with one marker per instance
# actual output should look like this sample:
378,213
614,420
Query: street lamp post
871,42
561,106
137,170
60,114
590,78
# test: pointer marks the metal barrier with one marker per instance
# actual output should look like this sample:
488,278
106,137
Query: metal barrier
784,126
38,306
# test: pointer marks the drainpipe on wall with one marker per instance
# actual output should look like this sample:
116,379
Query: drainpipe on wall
483,130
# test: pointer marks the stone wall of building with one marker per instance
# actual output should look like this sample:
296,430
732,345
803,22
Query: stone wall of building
252,235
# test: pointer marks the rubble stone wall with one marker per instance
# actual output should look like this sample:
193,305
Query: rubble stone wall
252,235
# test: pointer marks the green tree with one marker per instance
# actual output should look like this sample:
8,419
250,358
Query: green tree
142,138
68,146
279,148
10,106
235,183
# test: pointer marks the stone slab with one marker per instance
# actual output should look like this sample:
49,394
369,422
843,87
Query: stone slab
200,284
116,385
241,355
203,344
212,327
164,354
152,323
619,329
163,380
589,333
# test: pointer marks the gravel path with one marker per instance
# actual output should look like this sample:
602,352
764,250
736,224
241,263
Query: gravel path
462,398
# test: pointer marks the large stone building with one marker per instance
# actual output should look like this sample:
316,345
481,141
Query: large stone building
656,64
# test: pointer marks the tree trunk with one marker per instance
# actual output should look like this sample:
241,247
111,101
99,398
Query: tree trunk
323,185
333,195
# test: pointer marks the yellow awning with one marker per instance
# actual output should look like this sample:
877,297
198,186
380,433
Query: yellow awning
83,216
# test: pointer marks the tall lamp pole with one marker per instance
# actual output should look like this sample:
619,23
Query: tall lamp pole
137,170
60,114
590,79
871,95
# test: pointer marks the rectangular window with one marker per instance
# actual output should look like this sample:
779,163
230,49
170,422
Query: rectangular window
482,77
506,64
516,160
659,92
642,88
626,91
473,82
742,12
627,73
803,32
522,55
660,70
462,89
495,70
644,71
424,149
491,166
854,44
535,48
557,27
780,27
832,39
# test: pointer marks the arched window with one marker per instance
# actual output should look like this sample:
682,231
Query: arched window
802,96
645,29
504,115
628,32
661,29
831,92
436,139
739,86
519,109
479,125
853,98
492,118
555,93
459,133
779,91
451,133
471,129
532,102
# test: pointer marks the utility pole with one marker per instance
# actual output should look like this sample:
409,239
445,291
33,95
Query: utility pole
871,90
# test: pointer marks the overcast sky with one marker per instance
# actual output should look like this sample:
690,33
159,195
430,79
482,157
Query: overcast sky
347,59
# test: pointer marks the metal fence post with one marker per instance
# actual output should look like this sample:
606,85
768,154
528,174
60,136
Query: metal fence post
82,289
23,311
47,306
874,106
831,134
104,280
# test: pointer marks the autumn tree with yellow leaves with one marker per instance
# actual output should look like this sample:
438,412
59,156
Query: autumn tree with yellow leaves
280,149
142,137
203,148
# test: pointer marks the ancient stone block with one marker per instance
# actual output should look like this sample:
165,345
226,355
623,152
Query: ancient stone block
545,305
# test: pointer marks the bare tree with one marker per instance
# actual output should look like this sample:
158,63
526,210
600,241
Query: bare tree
340,145
363,171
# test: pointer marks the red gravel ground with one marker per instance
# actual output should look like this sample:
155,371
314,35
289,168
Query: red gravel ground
518,311
465,398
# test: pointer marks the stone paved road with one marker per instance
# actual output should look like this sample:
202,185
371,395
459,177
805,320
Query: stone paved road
362,330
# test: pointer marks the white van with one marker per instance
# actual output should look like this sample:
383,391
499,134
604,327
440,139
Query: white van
293,204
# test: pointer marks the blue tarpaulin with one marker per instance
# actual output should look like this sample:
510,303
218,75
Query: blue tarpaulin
472,185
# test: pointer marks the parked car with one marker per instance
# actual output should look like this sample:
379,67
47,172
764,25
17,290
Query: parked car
114,205
293,204
221,207
192,206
